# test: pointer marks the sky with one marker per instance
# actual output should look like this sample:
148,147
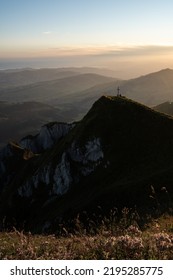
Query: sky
129,36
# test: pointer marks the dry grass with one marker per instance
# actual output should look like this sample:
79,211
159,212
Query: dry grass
154,241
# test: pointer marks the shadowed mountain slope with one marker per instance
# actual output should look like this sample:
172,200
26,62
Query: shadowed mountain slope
19,119
119,155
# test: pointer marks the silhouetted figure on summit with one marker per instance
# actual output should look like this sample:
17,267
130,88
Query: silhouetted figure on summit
118,91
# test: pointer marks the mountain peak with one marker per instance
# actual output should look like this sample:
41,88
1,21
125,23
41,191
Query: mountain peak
115,105
109,159
166,70
110,100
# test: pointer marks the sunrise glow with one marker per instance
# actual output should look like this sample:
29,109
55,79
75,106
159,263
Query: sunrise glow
87,33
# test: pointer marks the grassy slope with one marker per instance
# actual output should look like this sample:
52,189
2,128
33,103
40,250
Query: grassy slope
123,240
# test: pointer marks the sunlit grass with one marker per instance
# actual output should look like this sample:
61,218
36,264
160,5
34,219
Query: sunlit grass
120,240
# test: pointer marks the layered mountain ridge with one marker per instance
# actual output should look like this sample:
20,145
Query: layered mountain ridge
66,95
111,158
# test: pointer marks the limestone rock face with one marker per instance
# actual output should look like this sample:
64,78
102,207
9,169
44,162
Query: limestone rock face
59,178
48,136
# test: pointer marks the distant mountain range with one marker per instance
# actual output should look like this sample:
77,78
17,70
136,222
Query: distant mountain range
166,108
69,93
151,90
51,92
24,92
20,77
119,155
56,86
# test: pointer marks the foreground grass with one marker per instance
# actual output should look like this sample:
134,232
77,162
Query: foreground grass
154,241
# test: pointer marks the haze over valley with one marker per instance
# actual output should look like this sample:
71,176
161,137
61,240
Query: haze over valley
31,98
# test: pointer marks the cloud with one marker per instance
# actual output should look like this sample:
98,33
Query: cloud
114,51
47,32
135,51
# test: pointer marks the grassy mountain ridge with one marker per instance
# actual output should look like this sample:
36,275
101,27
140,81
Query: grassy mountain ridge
109,159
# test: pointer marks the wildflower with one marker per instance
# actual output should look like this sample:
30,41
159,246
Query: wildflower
134,230
131,243
163,241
